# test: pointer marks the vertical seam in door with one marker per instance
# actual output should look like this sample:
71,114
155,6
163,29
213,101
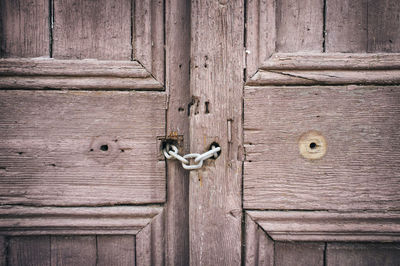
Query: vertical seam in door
164,43
324,27
97,250
51,24
367,33
325,247
134,242
243,244
132,25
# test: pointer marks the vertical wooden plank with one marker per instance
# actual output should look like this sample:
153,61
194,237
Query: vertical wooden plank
299,25
383,26
346,25
177,86
346,254
29,250
73,250
92,29
215,116
260,33
259,248
3,251
150,243
148,36
115,250
299,253
24,28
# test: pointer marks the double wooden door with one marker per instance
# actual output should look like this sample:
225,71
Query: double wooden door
301,96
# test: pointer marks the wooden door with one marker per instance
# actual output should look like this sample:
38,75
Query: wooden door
83,110
321,120
301,96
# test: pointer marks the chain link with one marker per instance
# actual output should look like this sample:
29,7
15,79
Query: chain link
171,151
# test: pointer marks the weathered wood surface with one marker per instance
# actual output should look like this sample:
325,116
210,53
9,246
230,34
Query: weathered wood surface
325,77
150,243
260,33
178,90
24,27
215,116
75,74
299,25
346,254
72,68
148,36
24,220
3,251
73,250
383,26
259,248
347,26
92,29
332,61
328,226
29,251
299,254
115,250
358,26
361,168
81,148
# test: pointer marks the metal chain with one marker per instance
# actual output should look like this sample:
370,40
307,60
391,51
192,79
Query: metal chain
171,152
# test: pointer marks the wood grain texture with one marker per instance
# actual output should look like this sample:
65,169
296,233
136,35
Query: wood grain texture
346,254
217,78
298,254
332,61
3,250
73,250
24,27
259,248
19,220
75,74
260,33
115,250
299,25
29,250
148,36
383,26
92,29
150,243
325,77
360,170
328,226
76,148
178,89
347,26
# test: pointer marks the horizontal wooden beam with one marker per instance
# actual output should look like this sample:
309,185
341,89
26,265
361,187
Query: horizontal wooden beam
329,226
75,74
25,220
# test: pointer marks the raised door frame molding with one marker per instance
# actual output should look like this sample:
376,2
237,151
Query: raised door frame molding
327,225
307,69
30,220
40,73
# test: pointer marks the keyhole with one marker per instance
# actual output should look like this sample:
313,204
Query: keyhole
313,145
104,147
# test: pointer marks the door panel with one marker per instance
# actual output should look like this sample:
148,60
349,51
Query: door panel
71,128
345,186
84,140
354,164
